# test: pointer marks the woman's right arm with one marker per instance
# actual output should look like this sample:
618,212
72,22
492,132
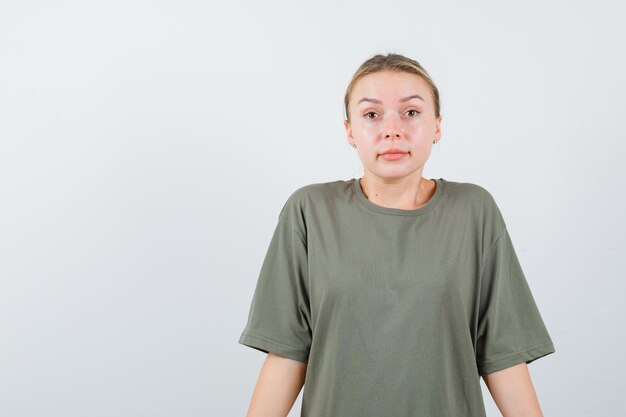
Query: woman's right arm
278,386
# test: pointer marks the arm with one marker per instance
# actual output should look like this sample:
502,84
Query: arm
513,392
278,386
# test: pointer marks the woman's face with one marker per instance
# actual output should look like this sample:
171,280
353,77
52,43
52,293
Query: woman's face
392,109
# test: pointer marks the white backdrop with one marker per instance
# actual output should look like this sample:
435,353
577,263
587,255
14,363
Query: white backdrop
146,149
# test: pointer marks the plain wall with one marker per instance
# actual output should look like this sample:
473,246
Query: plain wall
146,149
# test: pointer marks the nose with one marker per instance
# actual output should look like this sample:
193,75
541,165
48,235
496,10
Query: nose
391,129
392,134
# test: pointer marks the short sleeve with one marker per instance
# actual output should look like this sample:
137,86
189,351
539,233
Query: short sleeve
510,327
279,315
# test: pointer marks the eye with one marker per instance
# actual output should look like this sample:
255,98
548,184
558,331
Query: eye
412,110
370,112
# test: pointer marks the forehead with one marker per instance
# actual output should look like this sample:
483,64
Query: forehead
389,86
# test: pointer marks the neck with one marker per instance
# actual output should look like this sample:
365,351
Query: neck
407,193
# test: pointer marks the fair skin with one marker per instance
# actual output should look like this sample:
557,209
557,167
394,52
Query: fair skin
278,386
393,122
411,126
513,392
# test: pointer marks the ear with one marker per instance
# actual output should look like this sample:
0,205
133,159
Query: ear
346,126
438,127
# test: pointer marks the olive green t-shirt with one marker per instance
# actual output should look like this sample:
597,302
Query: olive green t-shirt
397,312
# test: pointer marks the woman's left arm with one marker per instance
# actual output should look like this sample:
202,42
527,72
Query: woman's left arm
513,392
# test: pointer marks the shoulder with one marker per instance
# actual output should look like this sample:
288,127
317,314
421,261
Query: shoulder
317,193
467,191
470,192
312,197
321,189
477,200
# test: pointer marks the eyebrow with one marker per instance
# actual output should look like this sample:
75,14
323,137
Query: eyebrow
373,100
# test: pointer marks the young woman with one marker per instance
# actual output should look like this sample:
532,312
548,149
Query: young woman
392,294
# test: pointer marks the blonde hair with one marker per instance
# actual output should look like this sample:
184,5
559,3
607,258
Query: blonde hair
394,62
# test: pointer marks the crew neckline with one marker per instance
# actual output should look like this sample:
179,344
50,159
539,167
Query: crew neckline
440,185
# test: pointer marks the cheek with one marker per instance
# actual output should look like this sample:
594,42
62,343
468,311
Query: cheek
420,127
369,128
367,133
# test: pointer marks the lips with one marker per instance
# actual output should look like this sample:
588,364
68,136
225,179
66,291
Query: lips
393,155
393,151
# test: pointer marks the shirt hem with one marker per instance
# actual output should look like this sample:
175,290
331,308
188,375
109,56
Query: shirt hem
526,356
266,345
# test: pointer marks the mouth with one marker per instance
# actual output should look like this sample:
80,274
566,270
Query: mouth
393,155
394,151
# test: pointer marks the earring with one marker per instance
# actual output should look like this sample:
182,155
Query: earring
435,141
354,145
